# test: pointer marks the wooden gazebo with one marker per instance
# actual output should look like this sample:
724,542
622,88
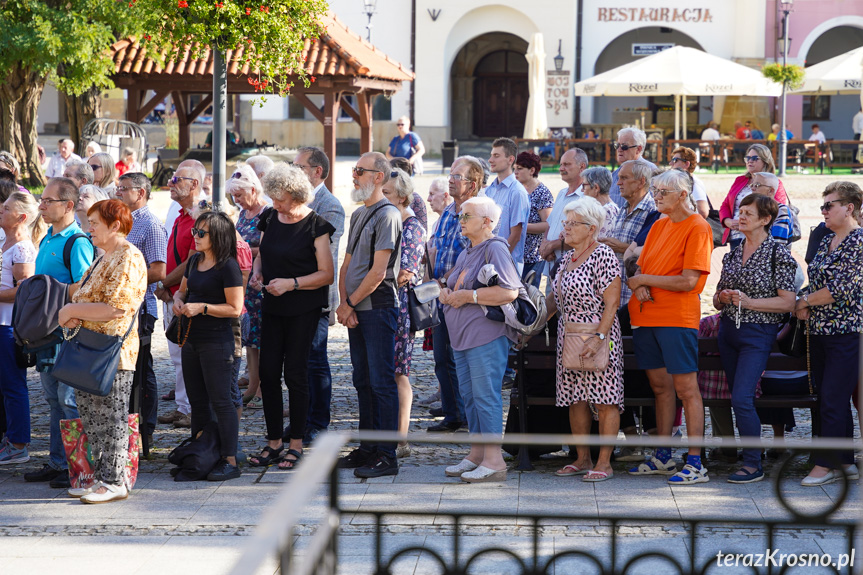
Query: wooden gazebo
340,61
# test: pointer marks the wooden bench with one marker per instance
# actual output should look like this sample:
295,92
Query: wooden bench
540,355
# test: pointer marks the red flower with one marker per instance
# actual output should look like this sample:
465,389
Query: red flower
219,5
313,78
248,11
182,4
147,37
265,9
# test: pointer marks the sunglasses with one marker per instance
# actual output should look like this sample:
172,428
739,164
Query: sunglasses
570,223
660,191
675,160
624,147
360,171
176,180
828,205
199,233
95,167
465,217
399,124
205,205
751,158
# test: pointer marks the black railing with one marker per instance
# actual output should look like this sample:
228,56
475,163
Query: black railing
276,534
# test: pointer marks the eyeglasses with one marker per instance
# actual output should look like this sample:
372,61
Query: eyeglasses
49,201
675,160
624,147
751,158
205,205
123,189
176,180
399,124
360,171
465,217
95,167
754,186
303,167
457,177
828,205
570,223
660,191
199,233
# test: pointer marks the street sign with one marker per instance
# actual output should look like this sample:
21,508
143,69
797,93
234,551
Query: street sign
649,49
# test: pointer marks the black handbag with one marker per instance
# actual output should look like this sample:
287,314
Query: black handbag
792,338
196,456
422,305
715,225
178,329
88,360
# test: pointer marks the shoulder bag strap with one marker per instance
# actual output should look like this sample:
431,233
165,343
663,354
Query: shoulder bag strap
365,223
176,251
132,323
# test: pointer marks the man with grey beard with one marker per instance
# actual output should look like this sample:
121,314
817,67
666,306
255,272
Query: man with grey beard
369,309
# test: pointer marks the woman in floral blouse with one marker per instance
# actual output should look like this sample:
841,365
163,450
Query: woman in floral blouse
754,305
106,301
833,305
399,191
527,168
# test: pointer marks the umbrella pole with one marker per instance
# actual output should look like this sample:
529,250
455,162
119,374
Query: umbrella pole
683,113
676,117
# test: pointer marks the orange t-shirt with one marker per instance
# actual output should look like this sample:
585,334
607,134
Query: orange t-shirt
669,249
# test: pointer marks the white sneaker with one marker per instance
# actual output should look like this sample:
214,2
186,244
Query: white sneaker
112,493
463,467
79,492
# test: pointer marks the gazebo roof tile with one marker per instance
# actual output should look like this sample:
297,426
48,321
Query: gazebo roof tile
338,52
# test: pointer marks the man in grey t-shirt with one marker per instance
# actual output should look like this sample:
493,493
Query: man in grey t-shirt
369,309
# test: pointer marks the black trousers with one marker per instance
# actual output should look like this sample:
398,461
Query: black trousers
285,346
208,369
150,396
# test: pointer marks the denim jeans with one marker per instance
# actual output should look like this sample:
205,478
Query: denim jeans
13,383
480,376
373,352
320,378
744,354
445,370
835,360
207,371
61,400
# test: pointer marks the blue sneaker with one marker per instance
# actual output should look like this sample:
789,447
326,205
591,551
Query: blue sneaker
9,455
689,475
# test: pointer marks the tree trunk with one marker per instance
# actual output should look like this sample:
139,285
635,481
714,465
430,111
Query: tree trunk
20,93
81,109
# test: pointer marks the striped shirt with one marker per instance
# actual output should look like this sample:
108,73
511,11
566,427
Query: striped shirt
626,228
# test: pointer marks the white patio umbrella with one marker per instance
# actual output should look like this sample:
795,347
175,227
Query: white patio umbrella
679,71
838,75
536,121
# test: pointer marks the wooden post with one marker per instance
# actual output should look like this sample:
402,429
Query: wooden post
133,104
183,121
331,115
364,103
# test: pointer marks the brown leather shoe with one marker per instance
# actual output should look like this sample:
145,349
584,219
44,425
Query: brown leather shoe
183,421
170,417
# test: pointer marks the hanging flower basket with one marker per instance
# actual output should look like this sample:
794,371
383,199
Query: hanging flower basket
791,74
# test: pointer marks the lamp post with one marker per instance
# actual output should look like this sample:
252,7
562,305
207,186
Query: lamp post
783,133
558,60
369,8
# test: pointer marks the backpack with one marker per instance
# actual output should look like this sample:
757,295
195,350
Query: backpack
34,314
796,232
67,249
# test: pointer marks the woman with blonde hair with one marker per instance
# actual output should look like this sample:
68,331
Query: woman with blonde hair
103,171
20,220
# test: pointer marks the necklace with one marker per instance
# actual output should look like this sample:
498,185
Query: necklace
575,259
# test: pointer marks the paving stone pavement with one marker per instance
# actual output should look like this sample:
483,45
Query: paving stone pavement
201,527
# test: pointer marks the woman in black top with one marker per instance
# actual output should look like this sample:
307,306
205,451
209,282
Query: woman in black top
210,294
294,266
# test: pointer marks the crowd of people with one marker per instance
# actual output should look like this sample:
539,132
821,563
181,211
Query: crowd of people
626,252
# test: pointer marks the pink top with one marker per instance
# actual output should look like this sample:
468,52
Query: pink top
726,210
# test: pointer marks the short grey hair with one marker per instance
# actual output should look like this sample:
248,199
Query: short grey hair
98,193
770,179
317,159
382,164
580,157
261,164
285,180
485,207
638,135
440,183
590,210
403,185
598,176
138,180
676,180
68,141
641,169
247,178
82,170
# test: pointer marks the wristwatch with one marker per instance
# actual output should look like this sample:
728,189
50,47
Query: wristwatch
475,297
160,285
205,309
806,298
296,284
601,336
349,302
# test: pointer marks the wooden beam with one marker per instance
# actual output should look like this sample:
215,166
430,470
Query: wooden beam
199,109
331,115
351,111
180,106
364,102
310,106
133,104
145,110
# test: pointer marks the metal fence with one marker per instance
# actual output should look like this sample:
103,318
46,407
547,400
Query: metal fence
277,533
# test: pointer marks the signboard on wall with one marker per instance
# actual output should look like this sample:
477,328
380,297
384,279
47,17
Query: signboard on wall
557,96
649,49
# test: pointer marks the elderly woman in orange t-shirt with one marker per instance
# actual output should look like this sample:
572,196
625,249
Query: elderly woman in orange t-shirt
674,264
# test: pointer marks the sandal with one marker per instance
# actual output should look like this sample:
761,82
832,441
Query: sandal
570,470
655,466
689,475
595,476
268,457
287,464
255,403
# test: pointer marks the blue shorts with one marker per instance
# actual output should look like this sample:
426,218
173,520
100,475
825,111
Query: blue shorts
674,348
